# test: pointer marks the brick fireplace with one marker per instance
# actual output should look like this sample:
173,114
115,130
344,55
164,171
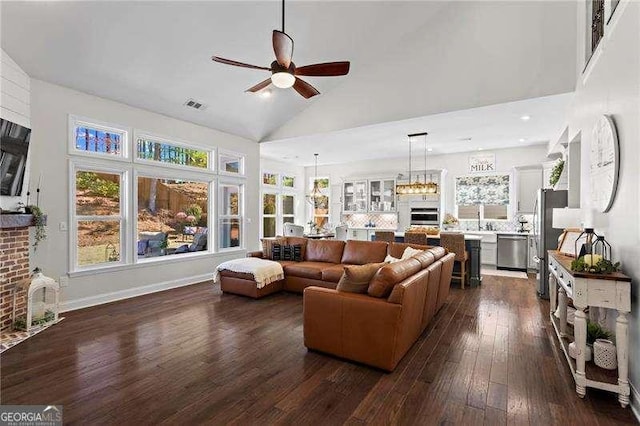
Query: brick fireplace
14,265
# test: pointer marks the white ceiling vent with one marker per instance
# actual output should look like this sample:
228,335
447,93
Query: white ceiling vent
192,103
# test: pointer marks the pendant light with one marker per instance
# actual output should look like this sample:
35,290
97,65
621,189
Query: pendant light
417,187
315,196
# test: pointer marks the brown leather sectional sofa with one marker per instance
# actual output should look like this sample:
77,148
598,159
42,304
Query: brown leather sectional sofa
377,328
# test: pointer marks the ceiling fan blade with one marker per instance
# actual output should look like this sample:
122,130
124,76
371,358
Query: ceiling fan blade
259,86
282,47
327,69
237,64
305,89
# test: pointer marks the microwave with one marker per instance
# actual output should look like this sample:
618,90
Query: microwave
421,216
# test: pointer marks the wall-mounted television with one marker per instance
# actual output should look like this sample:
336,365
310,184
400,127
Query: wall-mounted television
14,147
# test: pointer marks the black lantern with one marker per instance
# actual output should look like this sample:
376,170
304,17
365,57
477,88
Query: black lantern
584,242
601,247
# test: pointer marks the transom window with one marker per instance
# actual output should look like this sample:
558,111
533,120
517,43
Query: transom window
166,152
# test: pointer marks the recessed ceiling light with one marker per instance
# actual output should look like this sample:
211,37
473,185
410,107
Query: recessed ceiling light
464,139
522,139
525,118
480,149
429,149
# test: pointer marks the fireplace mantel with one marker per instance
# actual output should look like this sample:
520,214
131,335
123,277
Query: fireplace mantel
15,220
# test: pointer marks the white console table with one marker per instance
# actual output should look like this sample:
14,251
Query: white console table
597,290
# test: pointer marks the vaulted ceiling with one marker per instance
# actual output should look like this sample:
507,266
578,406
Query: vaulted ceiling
409,59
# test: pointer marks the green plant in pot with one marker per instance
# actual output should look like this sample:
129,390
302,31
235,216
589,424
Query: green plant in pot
39,223
556,172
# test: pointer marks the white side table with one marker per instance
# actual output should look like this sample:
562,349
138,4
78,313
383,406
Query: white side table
596,290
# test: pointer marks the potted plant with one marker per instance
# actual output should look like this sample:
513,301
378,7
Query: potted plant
556,172
594,332
450,221
39,221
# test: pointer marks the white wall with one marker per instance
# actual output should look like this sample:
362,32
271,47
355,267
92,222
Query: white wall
613,87
455,164
50,108
15,106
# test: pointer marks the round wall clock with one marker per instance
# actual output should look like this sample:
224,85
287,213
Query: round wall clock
604,164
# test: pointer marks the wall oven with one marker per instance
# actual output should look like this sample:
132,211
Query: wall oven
425,216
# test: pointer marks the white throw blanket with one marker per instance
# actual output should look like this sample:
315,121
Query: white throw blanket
264,271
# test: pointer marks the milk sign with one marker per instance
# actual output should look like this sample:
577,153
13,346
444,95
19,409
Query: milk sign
482,163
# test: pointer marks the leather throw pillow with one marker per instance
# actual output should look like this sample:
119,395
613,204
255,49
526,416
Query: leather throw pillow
355,278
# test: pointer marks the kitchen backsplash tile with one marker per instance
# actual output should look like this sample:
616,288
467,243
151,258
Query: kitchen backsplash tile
497,225
380,220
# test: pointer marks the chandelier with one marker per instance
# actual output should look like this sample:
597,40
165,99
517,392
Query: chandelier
418,187
315,197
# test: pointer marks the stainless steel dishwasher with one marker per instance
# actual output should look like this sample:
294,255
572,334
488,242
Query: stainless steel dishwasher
512,252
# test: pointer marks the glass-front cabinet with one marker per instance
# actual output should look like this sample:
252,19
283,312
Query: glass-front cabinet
354,196
382,195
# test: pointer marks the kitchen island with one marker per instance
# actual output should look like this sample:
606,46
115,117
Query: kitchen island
472,245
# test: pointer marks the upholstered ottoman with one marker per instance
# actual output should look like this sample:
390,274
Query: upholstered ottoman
250,276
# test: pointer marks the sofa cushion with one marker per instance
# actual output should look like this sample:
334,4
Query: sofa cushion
268,243
410,252
362,252
307,269
324,251
425,258
333,273
389,275
299,241
397,249
438,252
355,278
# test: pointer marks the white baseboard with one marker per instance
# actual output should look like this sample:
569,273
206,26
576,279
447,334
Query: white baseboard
85,302
635,402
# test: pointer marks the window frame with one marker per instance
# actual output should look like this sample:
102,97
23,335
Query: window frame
324,191
241,158
125,151
277,185
168,174
510,211
263,215
282,215
125,226
130,168
137,134
240,216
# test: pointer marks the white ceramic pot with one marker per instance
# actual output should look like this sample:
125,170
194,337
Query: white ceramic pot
604,354
573,352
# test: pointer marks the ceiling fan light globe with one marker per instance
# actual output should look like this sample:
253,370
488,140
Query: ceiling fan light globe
283,80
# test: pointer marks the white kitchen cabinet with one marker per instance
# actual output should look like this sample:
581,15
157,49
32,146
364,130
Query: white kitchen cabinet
531,245
528,180
404,215
354,196
358,234
488,247
382,195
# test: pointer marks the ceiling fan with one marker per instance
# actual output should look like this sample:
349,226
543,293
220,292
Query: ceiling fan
284,73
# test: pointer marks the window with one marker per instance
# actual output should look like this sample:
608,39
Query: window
320,211
486,196
97,139
138,202
230,163
269,179
98,216
230,215
172,216
288,209
269,215
288,181
166,152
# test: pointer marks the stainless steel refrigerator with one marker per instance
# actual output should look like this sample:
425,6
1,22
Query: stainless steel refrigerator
545,236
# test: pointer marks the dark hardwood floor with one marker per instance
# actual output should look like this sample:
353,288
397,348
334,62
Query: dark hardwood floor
192,355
